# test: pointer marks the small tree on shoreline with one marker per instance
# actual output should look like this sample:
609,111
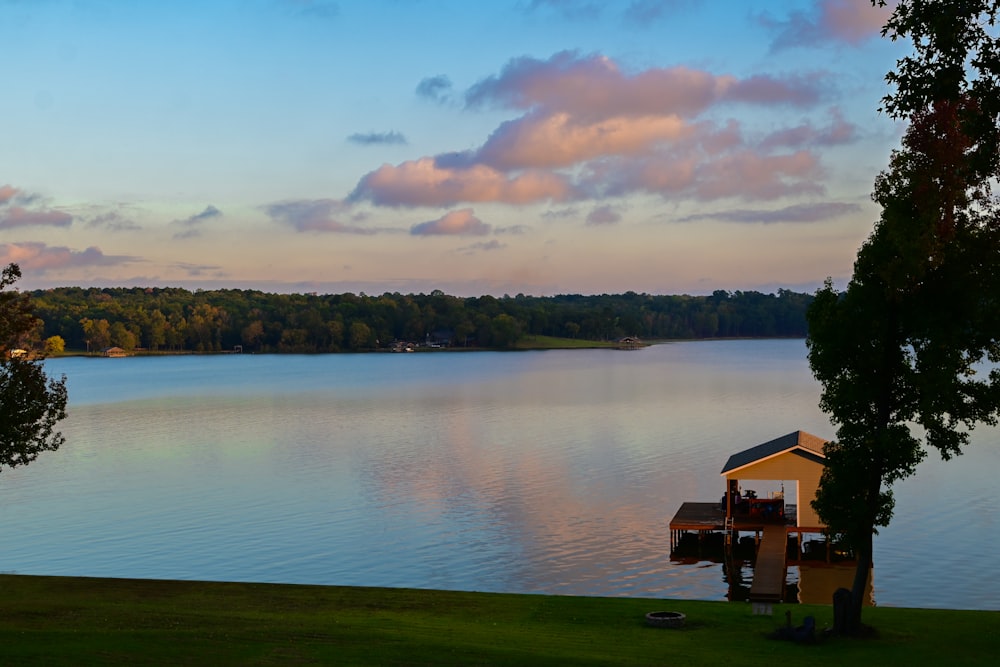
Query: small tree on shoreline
31,403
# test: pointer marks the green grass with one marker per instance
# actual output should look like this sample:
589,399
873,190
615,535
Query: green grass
81,621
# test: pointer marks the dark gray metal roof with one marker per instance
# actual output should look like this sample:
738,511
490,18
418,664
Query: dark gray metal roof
805,444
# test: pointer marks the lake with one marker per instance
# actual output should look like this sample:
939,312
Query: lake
550,472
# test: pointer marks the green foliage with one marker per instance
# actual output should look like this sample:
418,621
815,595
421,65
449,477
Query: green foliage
956,55
30,403
54,345
16,318
175,319
901,355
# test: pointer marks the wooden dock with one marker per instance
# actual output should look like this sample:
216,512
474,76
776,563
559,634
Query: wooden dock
769,570
771,538
699,516
703,518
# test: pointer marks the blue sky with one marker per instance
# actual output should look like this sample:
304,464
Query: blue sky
530,146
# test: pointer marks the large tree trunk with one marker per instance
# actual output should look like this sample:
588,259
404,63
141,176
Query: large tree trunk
863,553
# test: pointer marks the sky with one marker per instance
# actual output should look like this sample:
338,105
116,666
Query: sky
513,146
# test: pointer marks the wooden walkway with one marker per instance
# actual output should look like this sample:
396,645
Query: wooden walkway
770,564
769,570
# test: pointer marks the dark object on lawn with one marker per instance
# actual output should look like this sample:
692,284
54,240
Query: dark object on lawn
665,619
842,621
804,634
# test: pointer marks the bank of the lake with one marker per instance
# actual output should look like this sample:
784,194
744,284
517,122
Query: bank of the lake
82,621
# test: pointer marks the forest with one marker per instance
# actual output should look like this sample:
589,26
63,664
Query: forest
176,320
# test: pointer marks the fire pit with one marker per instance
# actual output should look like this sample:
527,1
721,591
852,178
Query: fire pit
665,619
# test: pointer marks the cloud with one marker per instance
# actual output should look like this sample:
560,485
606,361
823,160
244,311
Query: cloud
516,230
846,21
39,257
638,12
113,220
454,223
423,183
839,131
604,215
815,212
586,129
191,223
484,246
198,270
561,214
209,213
374,138
20,209
594,87
742,174
313,215
7,193
435,88
644,12
17,216
557,140
573,10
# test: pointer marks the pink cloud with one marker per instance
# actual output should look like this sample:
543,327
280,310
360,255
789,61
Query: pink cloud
424,183
40,257
753,176
594,86
559,140
604,215
18,216
454,223
314,215
590,130
839,131
741,175
802,90
7,193
848,21
853,21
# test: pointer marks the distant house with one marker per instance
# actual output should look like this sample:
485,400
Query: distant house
114,352
440,338
17,353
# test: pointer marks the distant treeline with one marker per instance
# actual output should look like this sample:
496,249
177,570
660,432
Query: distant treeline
174,319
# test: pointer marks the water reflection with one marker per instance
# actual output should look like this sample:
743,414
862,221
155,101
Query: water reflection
548,472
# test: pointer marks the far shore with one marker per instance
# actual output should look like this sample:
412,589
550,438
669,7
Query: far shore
525,343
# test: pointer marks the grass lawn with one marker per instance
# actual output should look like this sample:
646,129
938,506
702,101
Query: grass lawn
123,622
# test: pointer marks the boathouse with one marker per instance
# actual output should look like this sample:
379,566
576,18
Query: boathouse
796,457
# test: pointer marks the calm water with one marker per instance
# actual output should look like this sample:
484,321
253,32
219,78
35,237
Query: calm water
540,472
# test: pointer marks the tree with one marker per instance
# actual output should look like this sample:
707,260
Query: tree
361,336
97,333
30,402
897,353
54,345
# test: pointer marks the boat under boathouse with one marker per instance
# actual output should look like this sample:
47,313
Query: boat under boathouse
796,458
